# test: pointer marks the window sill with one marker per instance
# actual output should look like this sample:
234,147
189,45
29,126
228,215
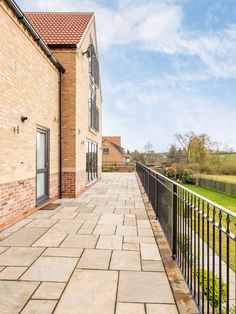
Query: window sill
93,131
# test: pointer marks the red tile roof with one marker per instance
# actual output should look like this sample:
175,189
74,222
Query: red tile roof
60,28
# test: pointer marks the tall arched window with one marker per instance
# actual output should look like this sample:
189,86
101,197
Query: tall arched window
93,83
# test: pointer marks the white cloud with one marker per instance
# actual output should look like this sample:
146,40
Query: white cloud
156,108
156,26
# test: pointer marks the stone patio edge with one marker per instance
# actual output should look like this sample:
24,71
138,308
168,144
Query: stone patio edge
180,290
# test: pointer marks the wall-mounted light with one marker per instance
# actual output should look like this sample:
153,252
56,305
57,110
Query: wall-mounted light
23,119
89,50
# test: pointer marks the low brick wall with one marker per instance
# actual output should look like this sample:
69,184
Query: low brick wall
18,198
118,168
223,187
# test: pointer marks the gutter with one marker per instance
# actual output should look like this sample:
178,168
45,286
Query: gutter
20,15
60,134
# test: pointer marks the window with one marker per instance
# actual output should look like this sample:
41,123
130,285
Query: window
93,82
93,109
105,151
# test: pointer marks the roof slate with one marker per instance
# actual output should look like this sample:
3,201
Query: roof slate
60,28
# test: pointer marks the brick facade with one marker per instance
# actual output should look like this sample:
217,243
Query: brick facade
114,156
29,81
29,87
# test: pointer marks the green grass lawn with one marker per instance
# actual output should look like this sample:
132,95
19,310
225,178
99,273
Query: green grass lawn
222,199
230,158
226,179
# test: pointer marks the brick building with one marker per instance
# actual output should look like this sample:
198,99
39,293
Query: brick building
50,108
112,152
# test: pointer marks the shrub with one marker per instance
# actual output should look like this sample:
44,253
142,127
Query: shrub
209,293
186,176
170,173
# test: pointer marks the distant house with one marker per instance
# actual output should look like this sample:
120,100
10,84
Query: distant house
112,152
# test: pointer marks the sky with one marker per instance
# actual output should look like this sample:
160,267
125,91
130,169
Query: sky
167,67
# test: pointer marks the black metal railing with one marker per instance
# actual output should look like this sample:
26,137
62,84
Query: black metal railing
202,237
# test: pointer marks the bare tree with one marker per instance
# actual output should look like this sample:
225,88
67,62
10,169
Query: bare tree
148,148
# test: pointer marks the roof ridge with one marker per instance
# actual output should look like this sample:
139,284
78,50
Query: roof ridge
61,12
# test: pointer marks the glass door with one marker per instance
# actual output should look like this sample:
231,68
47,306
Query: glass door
91,160
42,166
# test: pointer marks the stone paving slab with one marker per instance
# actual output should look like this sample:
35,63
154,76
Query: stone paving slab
49,290
12,273
23,237
89,291
39,307
80,241
20,256
130,308
92,254
51,269
63,252
125,260
161,308
95,259
14,295
144,287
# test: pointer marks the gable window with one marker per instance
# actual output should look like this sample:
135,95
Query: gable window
105,151
93,83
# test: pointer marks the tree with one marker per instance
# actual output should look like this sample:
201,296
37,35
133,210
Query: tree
175,154
195,147
148,148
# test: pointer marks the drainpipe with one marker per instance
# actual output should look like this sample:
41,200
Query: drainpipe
60,133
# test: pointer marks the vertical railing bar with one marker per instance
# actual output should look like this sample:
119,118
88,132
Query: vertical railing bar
208,256
185,236
195,245
203,257
155,195
191,243
227,261
188,209
178,225
220,264
180,228
174,237
213,258
198,244
182,233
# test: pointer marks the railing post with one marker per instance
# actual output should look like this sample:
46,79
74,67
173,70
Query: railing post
174,238
149,185
156,194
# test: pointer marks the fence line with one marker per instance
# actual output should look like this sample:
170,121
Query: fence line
202,237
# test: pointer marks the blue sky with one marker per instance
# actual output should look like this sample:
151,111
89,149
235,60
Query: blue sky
167,67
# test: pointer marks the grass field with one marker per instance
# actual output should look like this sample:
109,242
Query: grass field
229,158
222,199
226,179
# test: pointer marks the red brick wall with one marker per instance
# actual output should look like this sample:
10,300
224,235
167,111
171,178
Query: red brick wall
68,184
17,198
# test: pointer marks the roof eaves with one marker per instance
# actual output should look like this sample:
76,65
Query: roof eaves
20,15
55,46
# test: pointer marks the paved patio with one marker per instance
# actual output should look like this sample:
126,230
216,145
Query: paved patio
93,254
